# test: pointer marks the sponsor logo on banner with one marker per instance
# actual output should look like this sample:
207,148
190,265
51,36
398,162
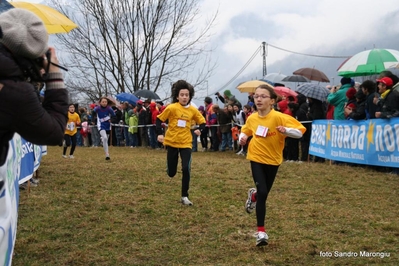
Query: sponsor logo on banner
371,142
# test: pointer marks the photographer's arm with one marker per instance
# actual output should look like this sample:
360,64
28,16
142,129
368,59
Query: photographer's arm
44,123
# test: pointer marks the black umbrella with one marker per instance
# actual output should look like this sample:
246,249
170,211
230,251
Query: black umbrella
147,94
295,78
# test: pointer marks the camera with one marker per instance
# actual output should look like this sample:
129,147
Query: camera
40,61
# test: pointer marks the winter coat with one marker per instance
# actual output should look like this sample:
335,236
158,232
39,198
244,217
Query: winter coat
390,105
133,123
360,112
224,120
316,110
370,107
338,100
21,111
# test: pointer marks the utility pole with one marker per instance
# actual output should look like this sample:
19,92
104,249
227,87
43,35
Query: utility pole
264,60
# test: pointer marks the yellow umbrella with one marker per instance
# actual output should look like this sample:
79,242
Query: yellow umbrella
54,21
250,86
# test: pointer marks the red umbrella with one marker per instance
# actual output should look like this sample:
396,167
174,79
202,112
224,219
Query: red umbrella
312,74
284,91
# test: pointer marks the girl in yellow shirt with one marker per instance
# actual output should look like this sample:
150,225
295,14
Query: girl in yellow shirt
268,129
70,131
178,138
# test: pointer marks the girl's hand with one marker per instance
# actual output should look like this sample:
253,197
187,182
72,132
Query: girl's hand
160,138
197,132
280,129
243,140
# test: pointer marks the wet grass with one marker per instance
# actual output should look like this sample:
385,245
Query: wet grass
88,211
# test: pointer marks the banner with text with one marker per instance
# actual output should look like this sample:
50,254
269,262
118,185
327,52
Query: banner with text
23,159
371,142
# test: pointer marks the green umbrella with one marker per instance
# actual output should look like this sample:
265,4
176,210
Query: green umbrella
368,63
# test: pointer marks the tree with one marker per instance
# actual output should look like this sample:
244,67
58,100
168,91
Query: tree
128,45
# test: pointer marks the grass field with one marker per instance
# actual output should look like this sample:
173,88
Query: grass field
88,211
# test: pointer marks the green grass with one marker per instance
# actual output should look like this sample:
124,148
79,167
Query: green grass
88,211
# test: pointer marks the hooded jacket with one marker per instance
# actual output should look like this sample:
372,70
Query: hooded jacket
338,100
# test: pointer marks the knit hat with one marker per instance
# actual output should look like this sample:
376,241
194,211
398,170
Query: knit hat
23,33
227,93
201,108
350,94
346,81
208,100
140,102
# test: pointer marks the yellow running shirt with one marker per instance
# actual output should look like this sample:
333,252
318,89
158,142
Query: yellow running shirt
73,122
268,149
178,134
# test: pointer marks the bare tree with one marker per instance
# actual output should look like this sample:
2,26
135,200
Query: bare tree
128,45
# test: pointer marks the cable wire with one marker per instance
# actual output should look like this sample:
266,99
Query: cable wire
324,56
242,69
282,49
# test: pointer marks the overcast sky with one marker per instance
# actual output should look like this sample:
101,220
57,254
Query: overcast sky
322,27
319,27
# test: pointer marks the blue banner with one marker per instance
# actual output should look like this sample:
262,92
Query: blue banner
371,142
23,159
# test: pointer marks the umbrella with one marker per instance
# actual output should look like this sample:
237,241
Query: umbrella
284,91
147,94
313,90
394,69
127,97
250,86
275,77
54,21
295,78
312,74
268,81
369,62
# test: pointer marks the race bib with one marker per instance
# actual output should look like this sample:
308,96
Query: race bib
105,119
71,126
261,131
181,123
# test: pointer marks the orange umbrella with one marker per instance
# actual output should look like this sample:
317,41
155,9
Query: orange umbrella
250,86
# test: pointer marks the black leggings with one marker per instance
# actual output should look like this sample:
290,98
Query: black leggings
172,160
263,176
204,138
68,139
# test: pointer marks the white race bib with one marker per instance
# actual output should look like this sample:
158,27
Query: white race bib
71,126
261,131
181,123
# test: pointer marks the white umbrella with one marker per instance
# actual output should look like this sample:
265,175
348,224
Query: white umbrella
367,63
275,77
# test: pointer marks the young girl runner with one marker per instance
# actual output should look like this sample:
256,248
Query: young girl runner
178,139
70,131
104,114
268,129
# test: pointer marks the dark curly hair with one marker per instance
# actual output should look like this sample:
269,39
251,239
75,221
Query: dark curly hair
181,85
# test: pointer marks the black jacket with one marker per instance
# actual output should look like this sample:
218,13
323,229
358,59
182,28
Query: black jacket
390,105
21,111
316,110
360,112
